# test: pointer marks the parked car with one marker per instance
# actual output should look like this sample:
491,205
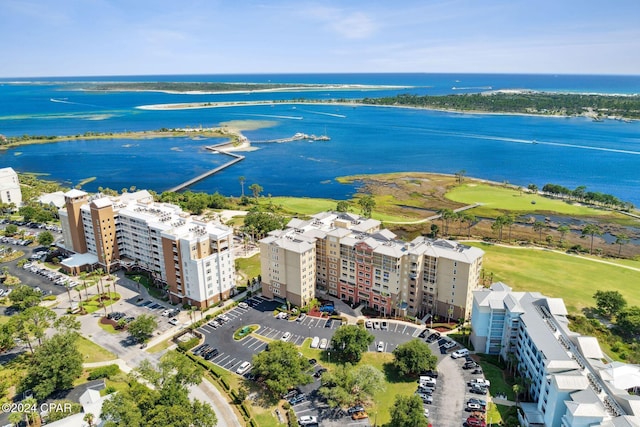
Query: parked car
460,353
359,415
380,347
297,398
480,381
243,305
384,325
368,324
244,367
286,336
323,344
424,333
315,342
307,420
174,321
301,317
449,344
475,422
355,409
432,374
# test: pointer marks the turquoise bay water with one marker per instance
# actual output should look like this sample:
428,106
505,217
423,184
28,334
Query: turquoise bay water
604,156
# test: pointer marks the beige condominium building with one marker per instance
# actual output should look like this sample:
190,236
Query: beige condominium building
193,259
352,258
10,187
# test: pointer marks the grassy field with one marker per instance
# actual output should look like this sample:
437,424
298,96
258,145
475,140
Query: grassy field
494,198
558,275
302,205
92,352
250,267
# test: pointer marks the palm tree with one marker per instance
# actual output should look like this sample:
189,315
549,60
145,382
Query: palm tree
591,230
497,225
508,221
83,277
470,219
242,179
563,230
517,388
445,216
89,418
621,239
539,226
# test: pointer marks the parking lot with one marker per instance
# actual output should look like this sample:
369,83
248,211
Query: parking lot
449,397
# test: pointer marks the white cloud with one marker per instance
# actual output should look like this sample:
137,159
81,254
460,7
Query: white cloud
348,24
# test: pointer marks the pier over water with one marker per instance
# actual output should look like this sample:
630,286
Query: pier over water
217,149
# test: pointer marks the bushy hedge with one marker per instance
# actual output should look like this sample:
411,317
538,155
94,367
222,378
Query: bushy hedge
104,372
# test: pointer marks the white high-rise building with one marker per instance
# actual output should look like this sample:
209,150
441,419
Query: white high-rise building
10,187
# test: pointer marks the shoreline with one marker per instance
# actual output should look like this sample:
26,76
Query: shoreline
225,104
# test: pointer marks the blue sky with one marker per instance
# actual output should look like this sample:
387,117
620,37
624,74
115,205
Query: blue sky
132,37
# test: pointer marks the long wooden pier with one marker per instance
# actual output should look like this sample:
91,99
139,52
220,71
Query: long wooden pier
214,148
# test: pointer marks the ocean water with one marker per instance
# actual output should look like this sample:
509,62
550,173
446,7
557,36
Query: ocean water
604,156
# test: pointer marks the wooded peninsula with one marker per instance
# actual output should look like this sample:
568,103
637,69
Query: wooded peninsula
598,107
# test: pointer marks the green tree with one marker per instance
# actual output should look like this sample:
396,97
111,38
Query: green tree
142,328
256,189
621,239
460,175
414,357
34,321
342,206
591,230
167,403
367,203
563,230
628,321
348,384
407,411
532,188
609,303
45,238
242,180
349,342
54,366
446,215
498,225
10,230
539,226
281,367
23,297
258,224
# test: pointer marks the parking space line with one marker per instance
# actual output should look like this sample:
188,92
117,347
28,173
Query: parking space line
230,363
405,328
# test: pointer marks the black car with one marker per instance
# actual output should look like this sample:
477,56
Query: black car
423,333
433,337
328,324
432,374
470,365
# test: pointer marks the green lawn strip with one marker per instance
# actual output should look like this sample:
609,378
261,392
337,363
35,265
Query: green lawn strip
108,328
302,205
161,346
93,304
249,266
504,198
92,352
558,275
379,412
268,419
495,374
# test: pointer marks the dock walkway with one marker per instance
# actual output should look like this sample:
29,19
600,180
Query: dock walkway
215,148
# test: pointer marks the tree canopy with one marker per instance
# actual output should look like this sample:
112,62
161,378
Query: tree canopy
45,238
609,303
414,357
142,328
54,365
258,224
408,411
166,404
349,342
281,367
348,385
23,297
628,321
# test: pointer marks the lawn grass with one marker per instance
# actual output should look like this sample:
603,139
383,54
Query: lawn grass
301,205
161,346
107,327
92,352
93,304
508,199
558,275
249,266
4,319
495,374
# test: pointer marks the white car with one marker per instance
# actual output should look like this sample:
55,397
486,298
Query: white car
376,324
167,312
286,336
307,420
243,368
427,381
323,343
315,342
368,324
243,305
426,412
380,346
460,353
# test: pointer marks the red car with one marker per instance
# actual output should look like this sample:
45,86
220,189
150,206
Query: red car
476,422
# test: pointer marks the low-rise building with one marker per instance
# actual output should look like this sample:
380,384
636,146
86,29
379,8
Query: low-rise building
570,381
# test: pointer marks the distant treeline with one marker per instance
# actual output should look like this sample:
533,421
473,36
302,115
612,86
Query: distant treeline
627,107
190,86
591,197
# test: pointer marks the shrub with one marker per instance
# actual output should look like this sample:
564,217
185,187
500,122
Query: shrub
189,344
104,372
293,421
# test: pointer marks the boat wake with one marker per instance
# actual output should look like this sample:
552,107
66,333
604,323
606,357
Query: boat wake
274,116
342,116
